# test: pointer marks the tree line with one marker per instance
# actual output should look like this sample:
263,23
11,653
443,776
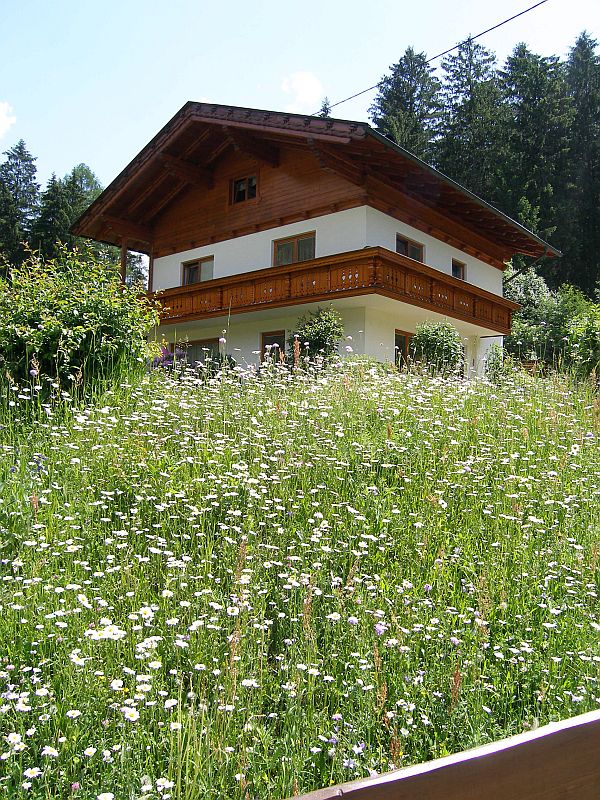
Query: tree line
32,219
524,135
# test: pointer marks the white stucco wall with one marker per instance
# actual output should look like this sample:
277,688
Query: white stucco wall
243,337
335,233
382,230
370,323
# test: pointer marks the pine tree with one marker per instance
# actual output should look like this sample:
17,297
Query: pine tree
470,148
325,110
11,249
537,134
407,107
51,227
579,232
18,173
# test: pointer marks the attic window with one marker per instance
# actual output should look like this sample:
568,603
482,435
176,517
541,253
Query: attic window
243,189
406,247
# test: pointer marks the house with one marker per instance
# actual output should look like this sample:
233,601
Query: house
251,218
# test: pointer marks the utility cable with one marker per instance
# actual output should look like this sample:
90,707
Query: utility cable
450,50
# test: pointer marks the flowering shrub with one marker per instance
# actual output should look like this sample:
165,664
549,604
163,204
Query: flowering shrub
70,320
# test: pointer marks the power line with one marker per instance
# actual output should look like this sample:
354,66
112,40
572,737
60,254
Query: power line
450,49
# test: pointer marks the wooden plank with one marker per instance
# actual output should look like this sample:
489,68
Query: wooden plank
129,229
560,761
123,272
186,171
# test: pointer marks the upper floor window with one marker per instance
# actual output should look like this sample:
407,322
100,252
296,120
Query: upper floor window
294,249
458,270
200,270
406,247
243,189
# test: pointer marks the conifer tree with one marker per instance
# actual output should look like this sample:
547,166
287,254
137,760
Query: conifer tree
51,227
578,234
537,133
470,147
11,249
18,174
407,107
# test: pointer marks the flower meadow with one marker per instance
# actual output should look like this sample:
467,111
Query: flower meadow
254,585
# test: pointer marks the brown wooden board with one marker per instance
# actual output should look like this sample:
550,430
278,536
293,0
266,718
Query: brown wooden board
560,761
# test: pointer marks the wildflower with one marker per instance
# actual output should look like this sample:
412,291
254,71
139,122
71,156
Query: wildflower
49,751
352,620
105,796
32,772
89,751
130,714
73,713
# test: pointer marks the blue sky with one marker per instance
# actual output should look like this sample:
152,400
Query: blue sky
93,82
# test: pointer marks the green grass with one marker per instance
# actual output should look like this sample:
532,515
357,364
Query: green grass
253,587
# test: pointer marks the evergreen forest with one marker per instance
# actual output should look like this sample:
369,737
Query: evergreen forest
525,136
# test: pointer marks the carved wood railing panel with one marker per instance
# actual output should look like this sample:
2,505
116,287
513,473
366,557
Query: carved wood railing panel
372,270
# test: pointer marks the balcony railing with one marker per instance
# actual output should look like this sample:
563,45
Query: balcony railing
373,270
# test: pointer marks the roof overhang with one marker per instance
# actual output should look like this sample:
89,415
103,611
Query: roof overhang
184,153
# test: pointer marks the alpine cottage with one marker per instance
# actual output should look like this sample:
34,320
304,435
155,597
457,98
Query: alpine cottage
251,218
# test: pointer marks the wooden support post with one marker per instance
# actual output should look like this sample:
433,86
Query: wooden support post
151,272
123,260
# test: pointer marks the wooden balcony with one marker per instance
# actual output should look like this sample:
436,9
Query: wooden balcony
373,270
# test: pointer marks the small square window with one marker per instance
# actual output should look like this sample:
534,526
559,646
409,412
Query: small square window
406,247
458,270
243,189
198,271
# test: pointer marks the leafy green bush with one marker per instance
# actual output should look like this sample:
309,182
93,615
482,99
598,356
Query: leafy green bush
584,341
319,332
438,347
541,327
494,363
70,321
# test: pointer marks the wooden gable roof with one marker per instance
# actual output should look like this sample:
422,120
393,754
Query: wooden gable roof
186,151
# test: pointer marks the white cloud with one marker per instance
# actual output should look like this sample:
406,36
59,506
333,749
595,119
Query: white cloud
306,92
7,118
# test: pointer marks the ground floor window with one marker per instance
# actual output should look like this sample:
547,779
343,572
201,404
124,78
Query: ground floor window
202,350
272,345
401,345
